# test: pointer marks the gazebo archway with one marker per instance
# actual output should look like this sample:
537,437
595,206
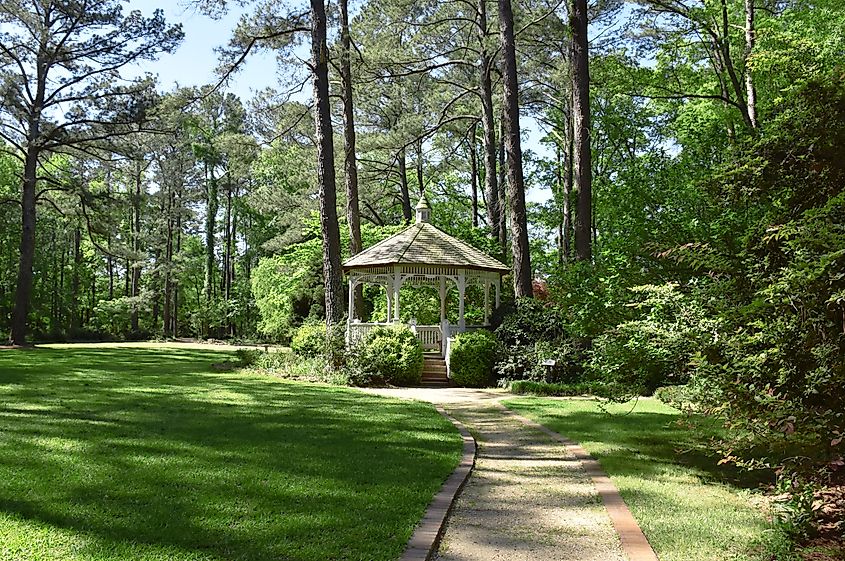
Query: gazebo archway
422,254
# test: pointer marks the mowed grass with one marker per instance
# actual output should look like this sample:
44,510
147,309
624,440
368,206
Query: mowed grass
689,508
128,453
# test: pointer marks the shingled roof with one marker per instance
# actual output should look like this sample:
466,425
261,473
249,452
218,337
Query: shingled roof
424,244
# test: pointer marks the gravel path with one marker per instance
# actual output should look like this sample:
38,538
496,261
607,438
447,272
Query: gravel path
528,497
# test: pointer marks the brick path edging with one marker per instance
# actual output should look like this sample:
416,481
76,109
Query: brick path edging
426,538
634,543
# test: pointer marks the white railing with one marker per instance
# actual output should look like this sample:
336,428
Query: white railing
429,336
359,331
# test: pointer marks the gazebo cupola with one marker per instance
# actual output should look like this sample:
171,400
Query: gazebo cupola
422,254
423,210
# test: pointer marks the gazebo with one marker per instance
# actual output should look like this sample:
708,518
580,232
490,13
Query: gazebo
422,254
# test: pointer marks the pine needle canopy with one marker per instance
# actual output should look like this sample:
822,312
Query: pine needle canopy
424,244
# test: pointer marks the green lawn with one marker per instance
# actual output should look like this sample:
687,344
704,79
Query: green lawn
689,508
127,453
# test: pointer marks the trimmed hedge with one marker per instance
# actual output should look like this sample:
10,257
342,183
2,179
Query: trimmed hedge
389,355
471,359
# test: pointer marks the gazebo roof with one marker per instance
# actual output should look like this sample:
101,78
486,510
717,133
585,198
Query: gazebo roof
424,244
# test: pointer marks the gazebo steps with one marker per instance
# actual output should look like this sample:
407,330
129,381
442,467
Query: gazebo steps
434,371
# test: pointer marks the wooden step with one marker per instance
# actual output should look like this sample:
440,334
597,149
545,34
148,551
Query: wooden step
434,373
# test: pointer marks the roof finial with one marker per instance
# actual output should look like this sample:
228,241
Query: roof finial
423,209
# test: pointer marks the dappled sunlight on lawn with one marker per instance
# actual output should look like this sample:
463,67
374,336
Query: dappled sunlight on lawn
138,454
690,507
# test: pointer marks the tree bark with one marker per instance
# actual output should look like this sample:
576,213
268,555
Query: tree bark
350,162
407,212
582,157
516,185
724,46
168,263
502,184
75,315
210,227
750,39
27,248
488,127
325,166
567,191
420,162
473,164
135,281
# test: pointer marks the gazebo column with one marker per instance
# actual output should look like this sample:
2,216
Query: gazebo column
498,289
442,299
351,310
486,302
462,286
388,290
397,284
351,315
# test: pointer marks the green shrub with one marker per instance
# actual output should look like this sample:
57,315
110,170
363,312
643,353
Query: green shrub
471,359
388,355
247,357
655,349
676,396
529,387
278,360
526,321
309,340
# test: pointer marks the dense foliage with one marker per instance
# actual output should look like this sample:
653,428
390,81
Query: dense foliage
388,355
309,340
471,359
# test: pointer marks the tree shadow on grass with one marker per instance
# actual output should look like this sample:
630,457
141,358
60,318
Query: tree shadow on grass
150,447
649,443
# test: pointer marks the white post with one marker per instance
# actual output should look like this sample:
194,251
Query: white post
486,302
397,284
498,289
389,292
352,285
351,313
442,299
462,285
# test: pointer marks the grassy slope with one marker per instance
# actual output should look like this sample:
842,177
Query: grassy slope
685,504
116,453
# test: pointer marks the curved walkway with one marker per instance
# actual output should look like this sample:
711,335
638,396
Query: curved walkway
529,497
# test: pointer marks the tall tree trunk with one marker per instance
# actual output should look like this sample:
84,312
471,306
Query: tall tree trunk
135,282
559,172
750,39
473,164
177,250
210,227
325,166
407,212
420,184
567,191
27,248
502,184
350,162
488,126
168,262
724,52
516,185
582,158
75,315
225,288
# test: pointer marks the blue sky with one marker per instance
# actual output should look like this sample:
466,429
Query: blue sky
194,62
